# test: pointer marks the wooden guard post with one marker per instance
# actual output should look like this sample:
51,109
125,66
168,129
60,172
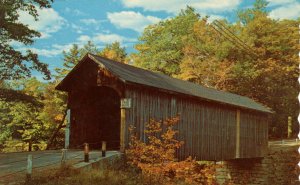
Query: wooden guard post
290,127
103,149
86,152
29,168
63,156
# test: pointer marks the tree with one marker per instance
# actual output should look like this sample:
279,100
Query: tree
5,119
207,57
115,52
21,120
157,156
53,115
266,70
160,47
73,56
15,64
275,71
249,14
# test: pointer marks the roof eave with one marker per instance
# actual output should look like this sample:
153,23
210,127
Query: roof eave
201,98
61,85
104,67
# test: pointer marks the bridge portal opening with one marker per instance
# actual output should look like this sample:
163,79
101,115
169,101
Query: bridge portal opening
96,119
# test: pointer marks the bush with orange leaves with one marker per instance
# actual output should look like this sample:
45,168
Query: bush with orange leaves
156,158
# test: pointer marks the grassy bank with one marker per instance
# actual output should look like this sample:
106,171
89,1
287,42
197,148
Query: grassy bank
70,176
67,175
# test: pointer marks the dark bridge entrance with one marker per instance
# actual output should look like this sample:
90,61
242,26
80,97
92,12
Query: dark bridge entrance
96,118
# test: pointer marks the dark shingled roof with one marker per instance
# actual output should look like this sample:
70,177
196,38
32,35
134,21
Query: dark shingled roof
128,73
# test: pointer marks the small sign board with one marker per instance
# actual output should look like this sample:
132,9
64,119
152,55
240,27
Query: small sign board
125,103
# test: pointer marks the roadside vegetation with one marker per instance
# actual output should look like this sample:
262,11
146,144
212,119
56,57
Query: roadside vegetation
156,158
150,162
67,175
186,46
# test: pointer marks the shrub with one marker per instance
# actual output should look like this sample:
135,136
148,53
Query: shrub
157,160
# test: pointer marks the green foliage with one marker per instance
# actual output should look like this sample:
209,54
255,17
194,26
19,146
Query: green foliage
266,70
21,118
15,64
114,51
248,15
32,111
160,47
73,56
31,119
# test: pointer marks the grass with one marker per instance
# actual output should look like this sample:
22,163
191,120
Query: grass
124,175
70,176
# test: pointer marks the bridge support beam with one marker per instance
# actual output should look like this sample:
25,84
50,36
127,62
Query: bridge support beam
67,130
238,134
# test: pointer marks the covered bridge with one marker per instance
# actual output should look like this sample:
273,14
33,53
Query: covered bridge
105,97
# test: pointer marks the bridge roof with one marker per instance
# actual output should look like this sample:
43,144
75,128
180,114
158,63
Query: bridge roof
131,74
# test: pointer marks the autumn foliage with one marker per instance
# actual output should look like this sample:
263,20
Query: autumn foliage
156,157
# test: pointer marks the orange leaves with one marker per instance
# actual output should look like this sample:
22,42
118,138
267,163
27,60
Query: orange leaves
157,160
59,117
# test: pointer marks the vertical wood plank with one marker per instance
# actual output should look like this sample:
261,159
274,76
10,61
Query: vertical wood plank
122,130
238,125
67,129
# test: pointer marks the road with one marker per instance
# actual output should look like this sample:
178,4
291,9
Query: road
285,142
14,164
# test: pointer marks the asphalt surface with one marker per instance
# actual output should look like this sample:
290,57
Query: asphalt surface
14,164
285,142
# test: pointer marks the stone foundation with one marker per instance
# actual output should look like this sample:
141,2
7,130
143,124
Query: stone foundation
279,167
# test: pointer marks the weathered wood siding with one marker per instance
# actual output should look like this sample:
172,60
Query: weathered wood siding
254,134
208,130
95,109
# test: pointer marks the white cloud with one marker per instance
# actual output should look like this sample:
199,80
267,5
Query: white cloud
62,47
42,52
91,21
16,44
131,20
49,21
211,18
172,6
76,28
110,38
289,11
74,11
280,2
84,38
57,49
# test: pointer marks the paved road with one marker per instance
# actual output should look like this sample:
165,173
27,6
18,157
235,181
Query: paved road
285,142
12,164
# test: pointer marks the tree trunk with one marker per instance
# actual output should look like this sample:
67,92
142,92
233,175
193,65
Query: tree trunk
30,145
60,126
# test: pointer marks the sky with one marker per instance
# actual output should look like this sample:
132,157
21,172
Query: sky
70,22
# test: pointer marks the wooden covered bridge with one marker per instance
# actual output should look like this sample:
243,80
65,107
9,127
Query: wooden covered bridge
105,97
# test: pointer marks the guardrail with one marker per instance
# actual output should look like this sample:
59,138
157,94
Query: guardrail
30,165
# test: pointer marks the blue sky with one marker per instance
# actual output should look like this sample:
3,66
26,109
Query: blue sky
105,21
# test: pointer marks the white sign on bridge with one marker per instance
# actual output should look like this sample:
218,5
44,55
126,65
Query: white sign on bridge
125,103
